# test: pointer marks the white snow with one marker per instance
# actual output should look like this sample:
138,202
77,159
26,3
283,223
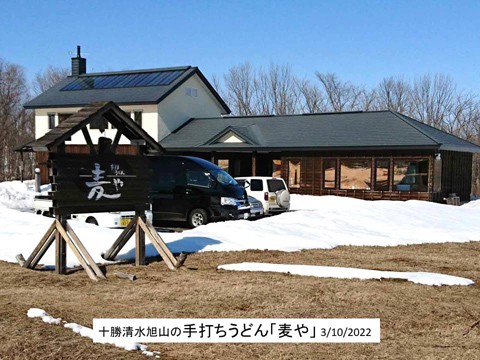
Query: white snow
34,313
87,332
424,278
316,222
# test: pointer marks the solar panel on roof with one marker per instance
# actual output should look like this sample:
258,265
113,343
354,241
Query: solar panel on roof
124,81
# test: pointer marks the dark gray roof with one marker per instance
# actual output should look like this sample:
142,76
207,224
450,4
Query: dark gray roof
348,130
78,121
55,97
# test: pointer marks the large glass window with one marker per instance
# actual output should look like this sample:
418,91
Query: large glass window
276,168
224,164
294,174
410,175
329,173
382,174
355,174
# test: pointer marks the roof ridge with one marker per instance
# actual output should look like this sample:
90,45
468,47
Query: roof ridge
299,114
401,117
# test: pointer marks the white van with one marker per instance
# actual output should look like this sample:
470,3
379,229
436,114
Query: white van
272,192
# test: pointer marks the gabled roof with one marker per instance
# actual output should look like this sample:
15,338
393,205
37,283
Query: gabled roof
324,131
85,116
244,133
79,91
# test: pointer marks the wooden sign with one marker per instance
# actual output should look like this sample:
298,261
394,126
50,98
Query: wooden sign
99,183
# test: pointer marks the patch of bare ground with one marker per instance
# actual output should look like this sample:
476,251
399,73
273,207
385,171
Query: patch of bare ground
417,322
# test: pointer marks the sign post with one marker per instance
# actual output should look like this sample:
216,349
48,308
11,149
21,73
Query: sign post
98,181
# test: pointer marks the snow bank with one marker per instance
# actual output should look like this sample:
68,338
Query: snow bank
423,278
88,332
316,222
16,195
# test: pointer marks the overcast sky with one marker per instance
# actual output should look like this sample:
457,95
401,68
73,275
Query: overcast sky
361,41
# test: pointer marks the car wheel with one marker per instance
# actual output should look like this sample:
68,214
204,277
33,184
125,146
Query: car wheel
283,198
92,220
197,217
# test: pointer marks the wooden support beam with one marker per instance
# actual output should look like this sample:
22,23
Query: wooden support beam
41,248
116,140
75,239
76,251
158,239
159,245
42,252
60,248
254,163
121,240
139,240
88,140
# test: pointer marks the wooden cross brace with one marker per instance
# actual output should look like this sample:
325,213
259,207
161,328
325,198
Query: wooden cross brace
141,227
61,232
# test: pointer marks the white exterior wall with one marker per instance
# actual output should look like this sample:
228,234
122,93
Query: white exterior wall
149,123
178,108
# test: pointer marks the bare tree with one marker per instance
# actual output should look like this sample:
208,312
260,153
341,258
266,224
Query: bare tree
432,98
240,86
48,78
283,92
16,124
313,99
341,96
394,94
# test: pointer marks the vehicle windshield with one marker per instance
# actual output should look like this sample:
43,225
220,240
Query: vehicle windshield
223,177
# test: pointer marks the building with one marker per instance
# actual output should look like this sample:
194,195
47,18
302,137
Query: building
160,100
368,155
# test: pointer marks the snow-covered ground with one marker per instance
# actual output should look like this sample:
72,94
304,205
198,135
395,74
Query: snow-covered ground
423,278
315,223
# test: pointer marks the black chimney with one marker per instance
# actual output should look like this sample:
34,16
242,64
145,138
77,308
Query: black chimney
79,64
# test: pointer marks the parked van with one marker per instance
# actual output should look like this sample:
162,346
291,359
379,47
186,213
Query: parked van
194,190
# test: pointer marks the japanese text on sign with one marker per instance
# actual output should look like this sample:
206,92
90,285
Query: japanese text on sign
238,330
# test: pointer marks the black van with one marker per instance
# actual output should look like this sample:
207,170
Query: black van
191,189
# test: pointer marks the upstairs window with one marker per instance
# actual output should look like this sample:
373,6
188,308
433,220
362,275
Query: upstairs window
137,117
63,117
51,121
191,92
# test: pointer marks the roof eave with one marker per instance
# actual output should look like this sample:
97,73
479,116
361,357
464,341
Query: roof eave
291,149
33,107
474,149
